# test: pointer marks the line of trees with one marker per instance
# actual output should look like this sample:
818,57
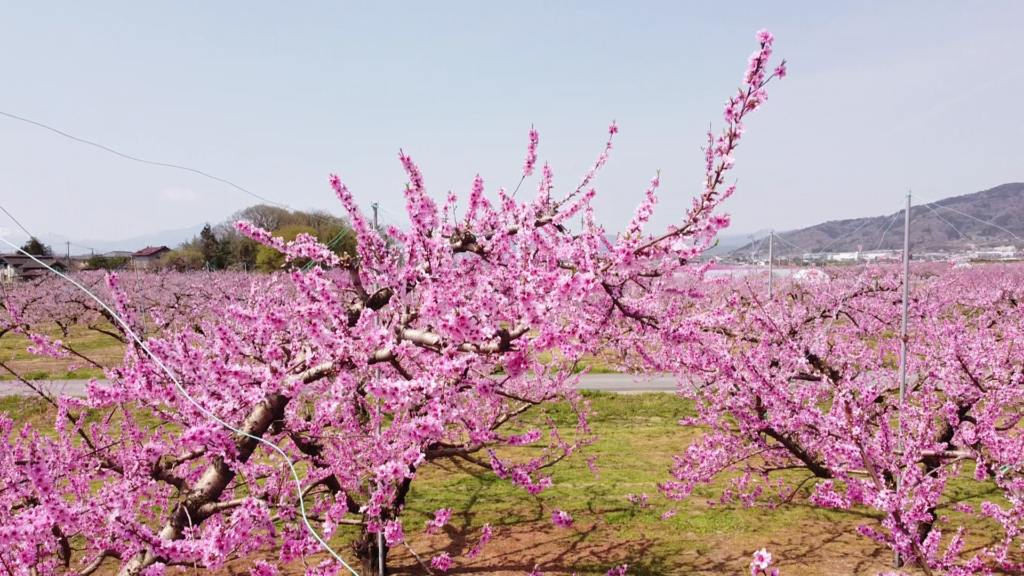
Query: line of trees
102,262
222,247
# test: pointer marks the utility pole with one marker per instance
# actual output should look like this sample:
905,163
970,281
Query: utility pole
376,375
771,237
69,255
903,331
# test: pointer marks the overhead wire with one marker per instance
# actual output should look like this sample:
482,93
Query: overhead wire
936,203
891,222
23,229
330,244
784,241
822,250
939,216
866,222
757,248
389,216
145,161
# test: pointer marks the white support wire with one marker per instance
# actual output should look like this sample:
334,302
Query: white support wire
866,222
758,247
389,217
204,411
891,222
798,249
939,216
822,251
936,203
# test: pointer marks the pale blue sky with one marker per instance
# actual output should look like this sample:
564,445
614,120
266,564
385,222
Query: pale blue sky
881,97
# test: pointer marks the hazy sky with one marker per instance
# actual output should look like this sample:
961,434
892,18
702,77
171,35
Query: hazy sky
881,97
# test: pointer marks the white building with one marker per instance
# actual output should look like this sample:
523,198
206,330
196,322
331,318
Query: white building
845,257
997,253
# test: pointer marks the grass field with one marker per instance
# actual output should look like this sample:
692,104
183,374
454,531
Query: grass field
99,347
638,436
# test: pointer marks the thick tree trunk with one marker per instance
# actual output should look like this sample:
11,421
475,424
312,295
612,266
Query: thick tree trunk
368,554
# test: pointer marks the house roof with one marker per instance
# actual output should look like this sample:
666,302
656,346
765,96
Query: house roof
21,261
151,251
26,267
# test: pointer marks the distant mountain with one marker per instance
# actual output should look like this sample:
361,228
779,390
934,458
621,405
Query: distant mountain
169,238
988,218
728,242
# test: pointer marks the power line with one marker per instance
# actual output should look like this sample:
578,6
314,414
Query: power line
144,161
86,247
11,216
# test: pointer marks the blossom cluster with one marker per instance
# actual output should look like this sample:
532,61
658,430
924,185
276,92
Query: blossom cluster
810,381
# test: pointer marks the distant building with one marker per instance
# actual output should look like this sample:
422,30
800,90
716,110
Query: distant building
997,253
148,255
845,257
20,267
882,255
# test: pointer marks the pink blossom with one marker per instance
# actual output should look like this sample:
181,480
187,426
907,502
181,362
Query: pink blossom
442,562
531,153
393,532
560,518
441,518
485,537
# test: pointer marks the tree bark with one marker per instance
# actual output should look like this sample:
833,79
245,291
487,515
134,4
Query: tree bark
218,475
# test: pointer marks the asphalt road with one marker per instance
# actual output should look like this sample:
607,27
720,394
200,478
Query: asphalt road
621,383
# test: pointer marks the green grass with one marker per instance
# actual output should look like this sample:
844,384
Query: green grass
95,345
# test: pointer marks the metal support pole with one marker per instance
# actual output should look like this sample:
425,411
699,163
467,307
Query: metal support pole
903,330
771,237
380,535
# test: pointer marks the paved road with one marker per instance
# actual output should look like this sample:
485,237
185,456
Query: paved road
626,383
621,383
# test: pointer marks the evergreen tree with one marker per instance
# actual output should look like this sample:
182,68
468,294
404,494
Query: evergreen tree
37,248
